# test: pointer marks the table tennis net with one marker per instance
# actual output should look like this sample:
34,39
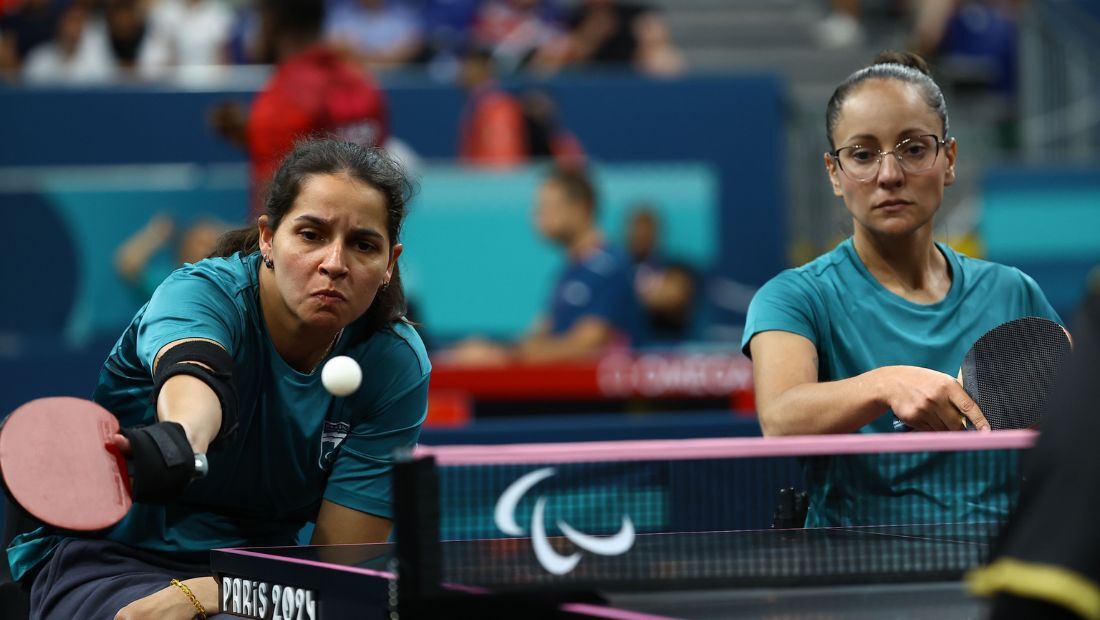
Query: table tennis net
708,513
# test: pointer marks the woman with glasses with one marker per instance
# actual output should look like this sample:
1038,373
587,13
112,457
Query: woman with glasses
874,331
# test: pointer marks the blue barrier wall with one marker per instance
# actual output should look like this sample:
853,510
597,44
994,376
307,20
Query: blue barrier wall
733,123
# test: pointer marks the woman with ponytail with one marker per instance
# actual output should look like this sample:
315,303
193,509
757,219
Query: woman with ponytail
873,332
225,360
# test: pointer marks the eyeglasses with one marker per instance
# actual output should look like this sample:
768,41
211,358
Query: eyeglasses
861,163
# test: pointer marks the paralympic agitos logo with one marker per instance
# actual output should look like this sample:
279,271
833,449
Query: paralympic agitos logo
554,562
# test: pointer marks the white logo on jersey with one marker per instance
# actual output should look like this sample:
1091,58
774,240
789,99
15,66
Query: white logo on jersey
332,436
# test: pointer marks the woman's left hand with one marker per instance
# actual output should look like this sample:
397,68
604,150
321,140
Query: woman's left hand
171,603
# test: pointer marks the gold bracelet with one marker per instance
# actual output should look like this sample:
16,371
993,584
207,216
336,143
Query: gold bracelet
190,595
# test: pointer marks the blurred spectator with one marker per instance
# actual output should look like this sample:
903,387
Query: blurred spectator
974,42
841,27
514,30
669,302
492,130
140,260
186,33
499,130
314,89
546,136
126,28
24,28
242,47
378,33
446,33
78,54
593,305
665,289
610,32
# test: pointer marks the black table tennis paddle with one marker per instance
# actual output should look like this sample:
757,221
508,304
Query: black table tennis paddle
1010,372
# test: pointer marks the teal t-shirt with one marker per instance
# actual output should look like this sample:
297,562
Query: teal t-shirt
295,443
858,325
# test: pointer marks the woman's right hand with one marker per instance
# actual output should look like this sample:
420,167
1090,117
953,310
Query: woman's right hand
171,603
928,400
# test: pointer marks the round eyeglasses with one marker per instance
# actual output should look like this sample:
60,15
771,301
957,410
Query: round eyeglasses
862,163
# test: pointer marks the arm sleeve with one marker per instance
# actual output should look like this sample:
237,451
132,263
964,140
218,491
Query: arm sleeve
189,304
360,477
785,303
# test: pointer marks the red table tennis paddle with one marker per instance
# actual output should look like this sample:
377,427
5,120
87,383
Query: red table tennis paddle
1010,372
55,464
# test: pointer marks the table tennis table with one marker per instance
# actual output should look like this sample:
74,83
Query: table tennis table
627,530
769,574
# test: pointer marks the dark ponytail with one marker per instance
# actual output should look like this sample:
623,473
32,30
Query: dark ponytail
243,240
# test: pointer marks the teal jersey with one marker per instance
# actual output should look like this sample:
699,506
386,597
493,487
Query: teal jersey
858,325
295,442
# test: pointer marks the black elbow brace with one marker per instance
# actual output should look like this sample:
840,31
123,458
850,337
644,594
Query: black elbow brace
214,367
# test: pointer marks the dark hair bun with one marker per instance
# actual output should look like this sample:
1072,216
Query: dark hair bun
908,59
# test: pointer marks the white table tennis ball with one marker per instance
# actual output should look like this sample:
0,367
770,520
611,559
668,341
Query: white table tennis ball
341,375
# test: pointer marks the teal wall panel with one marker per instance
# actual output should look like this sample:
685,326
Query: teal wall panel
473,261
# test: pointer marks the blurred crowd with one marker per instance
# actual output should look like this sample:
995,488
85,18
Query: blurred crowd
326,52
94,41
974,42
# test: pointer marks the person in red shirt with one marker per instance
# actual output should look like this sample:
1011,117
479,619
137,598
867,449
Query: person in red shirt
314,90
493,132
499,130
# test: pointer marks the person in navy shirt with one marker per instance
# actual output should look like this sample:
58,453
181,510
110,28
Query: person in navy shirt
593,305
